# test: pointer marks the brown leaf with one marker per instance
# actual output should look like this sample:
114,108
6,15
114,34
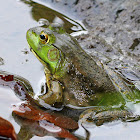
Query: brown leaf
29,112
56,131
6,78
36,122
7,129
41,128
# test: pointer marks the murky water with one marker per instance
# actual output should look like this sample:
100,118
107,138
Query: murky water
15,57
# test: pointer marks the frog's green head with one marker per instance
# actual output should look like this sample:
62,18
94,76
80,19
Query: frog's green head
41,41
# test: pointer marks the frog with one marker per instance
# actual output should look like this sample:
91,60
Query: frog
74,79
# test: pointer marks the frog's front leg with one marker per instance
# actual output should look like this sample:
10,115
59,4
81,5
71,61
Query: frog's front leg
100,115
54,94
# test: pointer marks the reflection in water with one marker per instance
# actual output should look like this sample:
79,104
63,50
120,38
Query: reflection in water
42,12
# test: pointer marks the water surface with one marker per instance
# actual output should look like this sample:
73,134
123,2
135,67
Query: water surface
16,18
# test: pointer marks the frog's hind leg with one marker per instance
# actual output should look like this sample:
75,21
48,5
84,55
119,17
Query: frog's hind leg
101,115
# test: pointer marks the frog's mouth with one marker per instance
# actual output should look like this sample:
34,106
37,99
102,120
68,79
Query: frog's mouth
36,55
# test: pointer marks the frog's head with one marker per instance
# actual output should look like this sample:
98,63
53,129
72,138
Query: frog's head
41,41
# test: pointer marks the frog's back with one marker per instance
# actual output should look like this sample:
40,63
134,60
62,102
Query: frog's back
83,65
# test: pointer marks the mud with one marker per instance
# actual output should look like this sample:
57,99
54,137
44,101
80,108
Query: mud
113,30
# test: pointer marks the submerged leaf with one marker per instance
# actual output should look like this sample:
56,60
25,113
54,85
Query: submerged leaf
37,122
29,112
7,129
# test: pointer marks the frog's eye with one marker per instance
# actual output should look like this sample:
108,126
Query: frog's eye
44,38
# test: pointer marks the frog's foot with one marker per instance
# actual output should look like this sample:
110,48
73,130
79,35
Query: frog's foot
54,96
100,115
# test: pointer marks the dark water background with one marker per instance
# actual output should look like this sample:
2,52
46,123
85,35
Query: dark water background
16,18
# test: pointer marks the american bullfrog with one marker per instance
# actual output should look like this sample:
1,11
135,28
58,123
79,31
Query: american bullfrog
73,78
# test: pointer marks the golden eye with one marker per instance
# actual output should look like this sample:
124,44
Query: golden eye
44,38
